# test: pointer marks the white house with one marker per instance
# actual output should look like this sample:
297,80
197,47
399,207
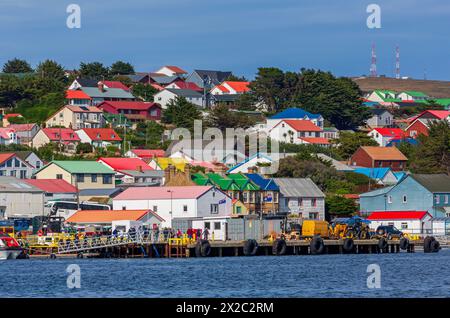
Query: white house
380,118
412,96
294,131
176,202
14,166
8,136
294,114
412,222
257,159
231,87
383,135
165,96
99,137
171,70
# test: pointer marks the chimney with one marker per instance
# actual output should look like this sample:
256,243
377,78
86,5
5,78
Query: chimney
187,172
101,86
252,170
139,168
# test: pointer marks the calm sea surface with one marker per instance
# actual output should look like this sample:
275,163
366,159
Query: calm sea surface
402,275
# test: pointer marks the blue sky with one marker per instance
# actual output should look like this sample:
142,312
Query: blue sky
234,35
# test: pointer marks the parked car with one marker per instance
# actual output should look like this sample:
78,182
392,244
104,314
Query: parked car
389,231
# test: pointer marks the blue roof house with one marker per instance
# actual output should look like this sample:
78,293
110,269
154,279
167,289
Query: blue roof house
294,114
415,192
384,176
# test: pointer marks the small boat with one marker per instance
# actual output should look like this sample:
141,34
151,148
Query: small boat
9,247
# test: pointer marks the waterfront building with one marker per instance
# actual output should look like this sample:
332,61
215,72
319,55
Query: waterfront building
415,192
19,199
55,189
412,222
301,196
176,202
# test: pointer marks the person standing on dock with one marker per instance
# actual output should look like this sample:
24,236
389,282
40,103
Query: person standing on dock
205,233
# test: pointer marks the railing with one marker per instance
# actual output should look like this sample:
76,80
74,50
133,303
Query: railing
92,243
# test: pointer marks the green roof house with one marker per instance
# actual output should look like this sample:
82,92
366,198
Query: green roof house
412,96
82,174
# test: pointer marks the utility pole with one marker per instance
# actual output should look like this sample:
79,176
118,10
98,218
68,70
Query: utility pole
397,62
373,66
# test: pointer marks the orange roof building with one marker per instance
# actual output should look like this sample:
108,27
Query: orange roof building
379,157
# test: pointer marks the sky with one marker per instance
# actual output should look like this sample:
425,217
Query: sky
233,35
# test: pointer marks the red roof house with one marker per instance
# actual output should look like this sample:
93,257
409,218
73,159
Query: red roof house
398,215
116,84
384,135
132,109
52,185
146,153
99,137
119,164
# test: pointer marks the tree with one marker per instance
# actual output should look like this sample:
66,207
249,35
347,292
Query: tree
121,68
221,117
181,113
234,78
338,205
433,152
123,79
246,101
338,100
144,91
268,87
17,66
94,70
349,142
51,69
84,147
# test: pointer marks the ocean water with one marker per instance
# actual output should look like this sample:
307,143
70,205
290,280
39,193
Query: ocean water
402,275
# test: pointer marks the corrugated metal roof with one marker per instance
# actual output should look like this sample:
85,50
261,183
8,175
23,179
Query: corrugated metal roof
433,182
298,187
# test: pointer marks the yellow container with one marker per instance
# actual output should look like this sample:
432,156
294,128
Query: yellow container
315,227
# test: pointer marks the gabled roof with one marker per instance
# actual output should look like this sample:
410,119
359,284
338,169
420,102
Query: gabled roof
83,109
263,183
187,85
390,132
164,79
316,140
148,153
76,94
116,84
373,173
378,111
102,134
398,215
175,69
5,131
298,187
216,77
132,105
63,134
439,114
433,182
300,125
184,92
295,113
87,82
22,127
52,185
107,93
108,216
163,193
6,156
414,93
15,185
125,163
384,153
240,87
80,166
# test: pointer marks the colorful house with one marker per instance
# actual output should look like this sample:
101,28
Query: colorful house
384,135
99,137
294,114
76,117
415,192
379,157
66,138
132,110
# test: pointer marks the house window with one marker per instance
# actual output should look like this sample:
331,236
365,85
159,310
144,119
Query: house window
214,208
245,197
405,199
446,199
207,225
314,202
93,178
38,164
107,179
80,177
238,210
59,176
185,208
300,201
389,198
155,208
217,226
438,199
23,174
404,225
313,215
